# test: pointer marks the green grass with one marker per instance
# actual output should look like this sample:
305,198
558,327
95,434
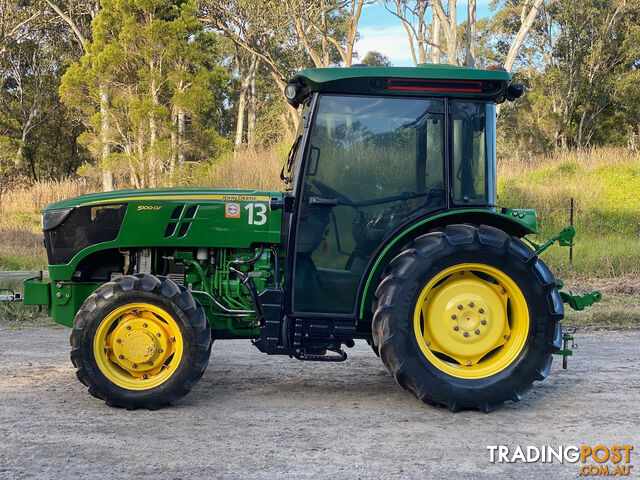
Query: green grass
14,262
620,311
605,186
14,315
601,256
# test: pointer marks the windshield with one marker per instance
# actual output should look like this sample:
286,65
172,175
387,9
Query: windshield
474,152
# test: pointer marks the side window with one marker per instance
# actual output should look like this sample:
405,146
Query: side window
470,153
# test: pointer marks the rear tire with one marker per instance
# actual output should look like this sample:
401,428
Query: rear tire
141,341
488,351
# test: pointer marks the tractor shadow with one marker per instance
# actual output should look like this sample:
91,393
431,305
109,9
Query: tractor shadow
362,378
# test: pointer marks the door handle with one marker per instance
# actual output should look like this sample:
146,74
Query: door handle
323,202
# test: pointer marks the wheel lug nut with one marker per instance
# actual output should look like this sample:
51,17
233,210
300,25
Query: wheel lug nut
128,327
466,334
428,344
118,340
134,366
151,364
503,291
144,325
120,357
145,376
460,307
158,334
483,321
456,328
477,331
481,310
453,317
468,363
160,350
471,304
506,337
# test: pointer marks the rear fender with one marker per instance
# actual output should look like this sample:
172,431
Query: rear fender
517,223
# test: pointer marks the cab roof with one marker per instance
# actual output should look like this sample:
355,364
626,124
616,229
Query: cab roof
425,79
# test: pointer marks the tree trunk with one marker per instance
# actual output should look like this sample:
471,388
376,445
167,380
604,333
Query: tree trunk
107,181
452,41
470,60
435,39
142,166
174,144
525,26
104,136
153,132
181,136
242,102
253,102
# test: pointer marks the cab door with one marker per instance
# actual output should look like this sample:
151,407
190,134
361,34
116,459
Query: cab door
372,164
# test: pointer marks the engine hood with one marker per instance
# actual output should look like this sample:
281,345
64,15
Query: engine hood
167,194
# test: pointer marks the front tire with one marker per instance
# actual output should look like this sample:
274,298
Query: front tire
141,341
467,318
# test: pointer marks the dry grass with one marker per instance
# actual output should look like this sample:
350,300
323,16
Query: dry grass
257,169
588,158
605,183
21,245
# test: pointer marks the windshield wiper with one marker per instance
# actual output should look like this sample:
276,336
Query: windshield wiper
289,163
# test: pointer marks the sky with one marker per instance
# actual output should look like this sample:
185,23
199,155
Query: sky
381,31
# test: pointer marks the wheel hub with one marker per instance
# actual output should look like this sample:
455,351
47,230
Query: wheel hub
138,346
141,343
465,318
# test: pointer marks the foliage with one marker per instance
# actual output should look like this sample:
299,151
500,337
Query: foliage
376,59
150,65
580,68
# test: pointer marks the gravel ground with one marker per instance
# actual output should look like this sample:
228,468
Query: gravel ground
253,416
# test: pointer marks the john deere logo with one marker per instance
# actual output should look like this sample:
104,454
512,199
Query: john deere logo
232,210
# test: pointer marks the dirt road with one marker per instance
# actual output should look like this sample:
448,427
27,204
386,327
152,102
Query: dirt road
253,416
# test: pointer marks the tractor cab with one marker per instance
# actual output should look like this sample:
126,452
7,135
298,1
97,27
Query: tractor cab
378,149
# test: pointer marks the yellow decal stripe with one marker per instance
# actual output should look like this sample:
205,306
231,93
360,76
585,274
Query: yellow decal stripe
224,198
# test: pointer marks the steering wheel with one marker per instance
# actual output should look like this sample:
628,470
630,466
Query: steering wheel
327,191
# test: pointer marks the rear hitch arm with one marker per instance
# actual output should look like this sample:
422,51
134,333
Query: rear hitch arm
579,302
564,238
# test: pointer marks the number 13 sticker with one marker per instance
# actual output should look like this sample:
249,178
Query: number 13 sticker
257,213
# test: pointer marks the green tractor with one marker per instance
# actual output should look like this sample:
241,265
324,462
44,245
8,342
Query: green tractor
387,231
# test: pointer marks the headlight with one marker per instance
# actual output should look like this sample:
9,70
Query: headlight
52,218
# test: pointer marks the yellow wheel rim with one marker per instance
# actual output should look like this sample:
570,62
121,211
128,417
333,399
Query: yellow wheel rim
138,346
471,321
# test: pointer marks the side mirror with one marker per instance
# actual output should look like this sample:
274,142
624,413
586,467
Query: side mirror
514,90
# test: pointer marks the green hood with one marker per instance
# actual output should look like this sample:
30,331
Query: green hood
160,194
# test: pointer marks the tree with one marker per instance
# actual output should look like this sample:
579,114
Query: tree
157,66
579,58
413,15
287,36
33,55
376,59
